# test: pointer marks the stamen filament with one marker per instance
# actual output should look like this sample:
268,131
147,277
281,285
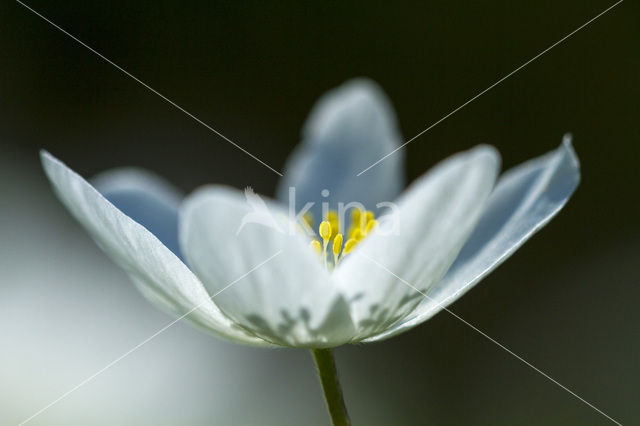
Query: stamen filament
337,247
325,233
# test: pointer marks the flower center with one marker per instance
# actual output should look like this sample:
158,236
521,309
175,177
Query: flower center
330,230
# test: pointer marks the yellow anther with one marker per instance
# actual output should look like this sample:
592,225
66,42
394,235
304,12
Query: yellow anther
368,216
335,228
332,218
337,247
349,246
308,219
337,244
371,225
357,234
355,217
325,230
315,246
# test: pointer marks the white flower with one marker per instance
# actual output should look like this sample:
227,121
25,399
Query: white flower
265,287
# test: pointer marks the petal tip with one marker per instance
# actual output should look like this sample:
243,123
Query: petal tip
49,163
487,154
357,97
45,156
567,146
360,86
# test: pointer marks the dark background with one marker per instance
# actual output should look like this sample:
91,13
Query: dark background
567,302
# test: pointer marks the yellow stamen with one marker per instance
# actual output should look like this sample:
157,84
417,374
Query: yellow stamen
332,218
308,219
337,246
325,230
369,216
315,246
371,225
355,216
325,233
335,228
350,231
349,246
357,234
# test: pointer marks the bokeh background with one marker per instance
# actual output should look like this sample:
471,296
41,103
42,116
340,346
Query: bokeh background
567,301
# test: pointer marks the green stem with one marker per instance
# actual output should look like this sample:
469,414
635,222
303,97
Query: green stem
328,375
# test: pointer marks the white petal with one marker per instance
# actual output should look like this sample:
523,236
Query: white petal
436,216
288,300
146,198
349,128
158,273
525,199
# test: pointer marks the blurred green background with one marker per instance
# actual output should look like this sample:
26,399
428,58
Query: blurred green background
567,302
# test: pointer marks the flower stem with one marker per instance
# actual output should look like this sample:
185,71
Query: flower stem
328,375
